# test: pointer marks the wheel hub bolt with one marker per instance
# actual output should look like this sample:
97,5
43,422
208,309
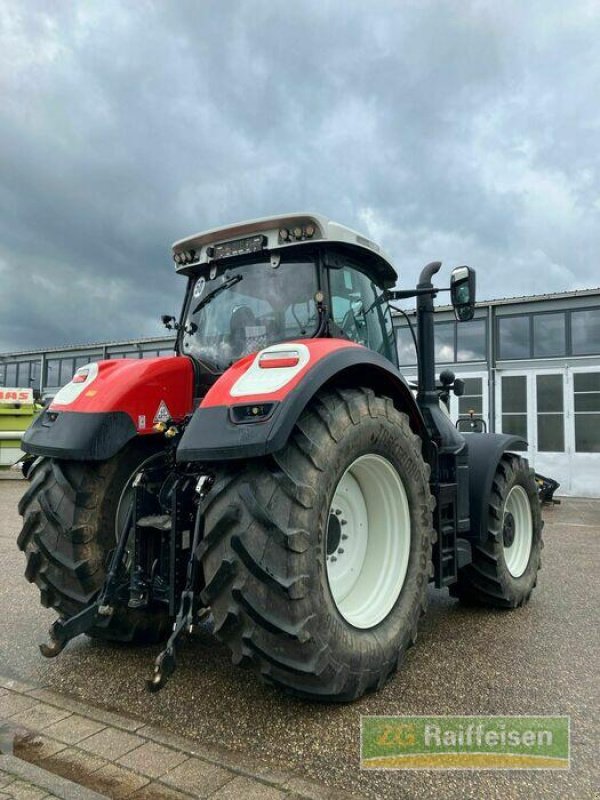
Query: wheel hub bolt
340,551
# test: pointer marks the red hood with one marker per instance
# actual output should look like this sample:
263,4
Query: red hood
139,387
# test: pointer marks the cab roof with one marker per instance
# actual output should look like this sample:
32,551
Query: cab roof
278,233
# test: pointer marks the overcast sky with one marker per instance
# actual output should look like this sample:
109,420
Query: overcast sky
462,131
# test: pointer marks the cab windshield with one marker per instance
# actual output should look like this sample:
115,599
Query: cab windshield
238,309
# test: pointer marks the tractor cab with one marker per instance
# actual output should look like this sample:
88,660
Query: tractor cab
281,279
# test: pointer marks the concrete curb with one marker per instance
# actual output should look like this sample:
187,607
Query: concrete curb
42,779
121,756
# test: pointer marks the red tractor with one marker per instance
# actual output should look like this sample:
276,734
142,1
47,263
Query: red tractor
277,473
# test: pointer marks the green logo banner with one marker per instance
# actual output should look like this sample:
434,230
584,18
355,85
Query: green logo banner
469,742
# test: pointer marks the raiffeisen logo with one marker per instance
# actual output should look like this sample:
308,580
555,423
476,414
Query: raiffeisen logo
520,742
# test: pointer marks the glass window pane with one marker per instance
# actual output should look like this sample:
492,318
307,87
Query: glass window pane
514,337
11,374
149,353
587,402
587,381
406,347
515,424
471,340
514,393
444,342
549,392
551,433
549,335
52,373
35,374
587,433
23,374
2,374
66,371
473,385
466,404
585,332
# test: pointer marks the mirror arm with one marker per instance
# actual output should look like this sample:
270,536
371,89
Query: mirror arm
404,294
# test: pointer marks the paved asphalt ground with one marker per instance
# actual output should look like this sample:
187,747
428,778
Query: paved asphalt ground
542,659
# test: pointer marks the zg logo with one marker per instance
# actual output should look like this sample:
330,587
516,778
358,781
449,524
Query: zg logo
399,735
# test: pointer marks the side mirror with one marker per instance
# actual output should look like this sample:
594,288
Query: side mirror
462,293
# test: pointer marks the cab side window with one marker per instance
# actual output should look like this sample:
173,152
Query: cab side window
357,312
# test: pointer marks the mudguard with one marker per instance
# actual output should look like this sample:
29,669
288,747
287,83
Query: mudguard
108,403
223,427
485,452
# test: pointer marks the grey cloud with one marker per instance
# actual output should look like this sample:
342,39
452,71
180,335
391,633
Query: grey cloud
465,132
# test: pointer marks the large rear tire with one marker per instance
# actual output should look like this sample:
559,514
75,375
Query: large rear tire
69,527
318,607
504,569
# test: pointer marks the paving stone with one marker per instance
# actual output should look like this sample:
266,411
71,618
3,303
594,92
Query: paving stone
34,747
5,778
77,707
152,759
73,729
20,790
12,703
239,763
111,743
197,777
248,789
72,763
116,781
39,716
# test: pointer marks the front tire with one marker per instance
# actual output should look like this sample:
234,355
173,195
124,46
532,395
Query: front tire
504,569
272,531
69,513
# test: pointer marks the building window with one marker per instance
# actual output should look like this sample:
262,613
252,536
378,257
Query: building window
471,340
66,371
52,373
514,407
407,354
35,374
585,332
11,374
90,358
444,342
472,399
586,387
514,337
550,414
549,337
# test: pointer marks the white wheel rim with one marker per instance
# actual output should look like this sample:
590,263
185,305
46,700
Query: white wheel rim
368,541
516,554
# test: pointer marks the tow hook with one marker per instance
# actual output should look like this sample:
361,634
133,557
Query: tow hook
189,613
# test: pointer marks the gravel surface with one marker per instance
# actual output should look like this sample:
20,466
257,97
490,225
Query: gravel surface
542,659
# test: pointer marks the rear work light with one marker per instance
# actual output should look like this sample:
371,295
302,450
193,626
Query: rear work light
279,359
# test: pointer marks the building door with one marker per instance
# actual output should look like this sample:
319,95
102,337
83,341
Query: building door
558,413
583,431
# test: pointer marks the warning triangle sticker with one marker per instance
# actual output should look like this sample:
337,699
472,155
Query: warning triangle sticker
162,414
